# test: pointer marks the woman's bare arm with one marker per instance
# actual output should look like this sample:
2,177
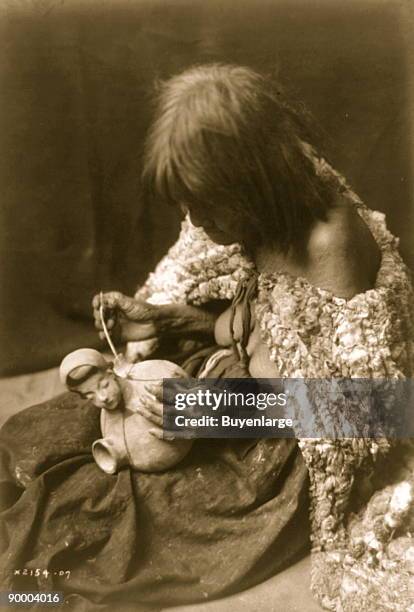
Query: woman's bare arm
139,320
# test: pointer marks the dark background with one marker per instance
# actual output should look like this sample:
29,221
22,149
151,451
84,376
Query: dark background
75,89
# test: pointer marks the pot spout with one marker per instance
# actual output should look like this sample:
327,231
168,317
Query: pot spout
109,455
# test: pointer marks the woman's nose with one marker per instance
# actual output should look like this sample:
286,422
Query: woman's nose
195,219
184,209
200,220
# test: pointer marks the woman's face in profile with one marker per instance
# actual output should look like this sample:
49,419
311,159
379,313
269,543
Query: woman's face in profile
220,224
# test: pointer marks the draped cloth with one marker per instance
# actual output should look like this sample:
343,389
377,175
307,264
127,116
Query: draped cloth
231,514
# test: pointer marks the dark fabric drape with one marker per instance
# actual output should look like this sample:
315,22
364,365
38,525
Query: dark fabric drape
76,82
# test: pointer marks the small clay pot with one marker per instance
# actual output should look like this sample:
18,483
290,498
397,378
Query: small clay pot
126,439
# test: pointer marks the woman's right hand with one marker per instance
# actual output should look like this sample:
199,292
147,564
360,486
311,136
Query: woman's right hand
126,317
138,320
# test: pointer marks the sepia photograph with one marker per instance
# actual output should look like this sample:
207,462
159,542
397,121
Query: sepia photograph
207,305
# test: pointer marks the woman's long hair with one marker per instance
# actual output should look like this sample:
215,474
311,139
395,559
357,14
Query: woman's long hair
226,135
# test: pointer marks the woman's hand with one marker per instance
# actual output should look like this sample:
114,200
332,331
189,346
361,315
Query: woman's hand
138,320
152,409
129,318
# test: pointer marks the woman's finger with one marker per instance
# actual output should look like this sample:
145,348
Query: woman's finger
109,323
112,299
150,416
154,390
119,301
161,434
107,300
134,309
109,314
153,405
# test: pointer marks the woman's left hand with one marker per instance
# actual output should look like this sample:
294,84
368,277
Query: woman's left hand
152,409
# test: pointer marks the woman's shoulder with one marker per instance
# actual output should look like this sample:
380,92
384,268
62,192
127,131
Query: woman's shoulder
311,329
343,255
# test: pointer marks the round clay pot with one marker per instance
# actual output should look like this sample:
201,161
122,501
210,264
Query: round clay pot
126,439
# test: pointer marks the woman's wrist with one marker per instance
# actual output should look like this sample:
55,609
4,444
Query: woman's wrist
182,318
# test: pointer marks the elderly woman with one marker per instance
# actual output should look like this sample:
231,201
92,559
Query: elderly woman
279,271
